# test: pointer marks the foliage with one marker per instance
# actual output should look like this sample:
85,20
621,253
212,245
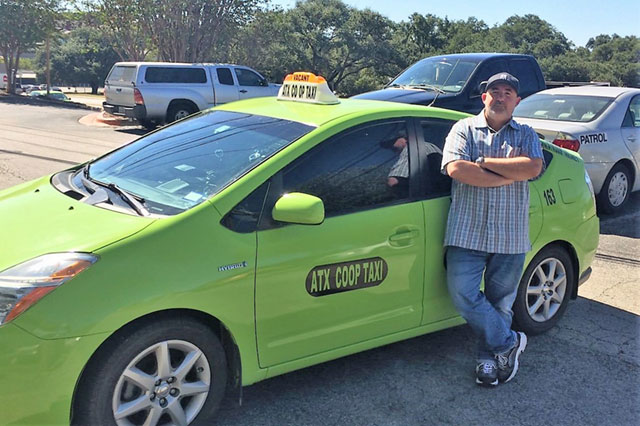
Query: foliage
23,24
120,21
356,50
83,57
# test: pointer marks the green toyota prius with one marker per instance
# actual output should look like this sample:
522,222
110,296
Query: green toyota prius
244,242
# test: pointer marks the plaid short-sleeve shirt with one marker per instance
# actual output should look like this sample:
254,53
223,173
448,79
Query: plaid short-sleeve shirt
493,220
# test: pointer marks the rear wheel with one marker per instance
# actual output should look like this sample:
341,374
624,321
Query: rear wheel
544,291
615,190
180,110
170,371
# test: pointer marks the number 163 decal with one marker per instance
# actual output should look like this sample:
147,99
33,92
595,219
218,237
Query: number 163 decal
549,196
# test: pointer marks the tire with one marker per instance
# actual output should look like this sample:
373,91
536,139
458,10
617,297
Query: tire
180,110
187,387
544,291
615,189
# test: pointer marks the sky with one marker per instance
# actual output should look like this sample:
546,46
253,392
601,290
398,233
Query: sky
577,20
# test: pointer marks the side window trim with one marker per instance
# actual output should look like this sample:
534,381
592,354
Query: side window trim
422,184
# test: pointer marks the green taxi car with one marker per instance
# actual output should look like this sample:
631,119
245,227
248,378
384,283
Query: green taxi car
244,242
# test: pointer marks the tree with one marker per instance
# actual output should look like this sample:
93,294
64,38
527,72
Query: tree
531,35
120,21
85,56
615,59
184,30
335,40
23,24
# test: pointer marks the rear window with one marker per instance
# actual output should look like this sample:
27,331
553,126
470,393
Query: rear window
575,108
125,74
175,75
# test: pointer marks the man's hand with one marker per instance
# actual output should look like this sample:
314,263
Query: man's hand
472,174
516,168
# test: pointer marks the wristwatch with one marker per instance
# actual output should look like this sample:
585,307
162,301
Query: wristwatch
480,161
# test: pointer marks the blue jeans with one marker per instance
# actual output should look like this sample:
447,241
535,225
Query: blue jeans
489,314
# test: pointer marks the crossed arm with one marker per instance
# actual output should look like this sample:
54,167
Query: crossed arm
495,171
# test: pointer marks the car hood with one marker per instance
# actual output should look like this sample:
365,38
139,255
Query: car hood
550,128
37,219
407,96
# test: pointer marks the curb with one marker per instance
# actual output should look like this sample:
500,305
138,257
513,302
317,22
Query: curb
103,119
24,100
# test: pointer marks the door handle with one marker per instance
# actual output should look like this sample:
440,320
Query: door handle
118,90
631,139
243,91
403,236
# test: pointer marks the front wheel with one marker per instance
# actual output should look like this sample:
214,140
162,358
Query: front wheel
544,291
171,371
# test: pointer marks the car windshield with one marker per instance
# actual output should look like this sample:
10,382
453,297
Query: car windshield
57,95
182,165
576,108
449,75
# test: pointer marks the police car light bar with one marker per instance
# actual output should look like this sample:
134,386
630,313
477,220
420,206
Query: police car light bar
306,87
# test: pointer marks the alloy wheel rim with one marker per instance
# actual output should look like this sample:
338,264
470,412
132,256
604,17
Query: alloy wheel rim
166,383
618,187
181,114
546,289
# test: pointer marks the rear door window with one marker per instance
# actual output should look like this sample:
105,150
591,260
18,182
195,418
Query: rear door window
225,77
523,70
175,75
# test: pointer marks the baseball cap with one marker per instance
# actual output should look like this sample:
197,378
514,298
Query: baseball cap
503,77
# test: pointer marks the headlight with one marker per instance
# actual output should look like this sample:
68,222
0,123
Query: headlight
23,285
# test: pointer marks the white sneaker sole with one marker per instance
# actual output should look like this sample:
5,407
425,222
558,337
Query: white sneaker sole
521,346
491,384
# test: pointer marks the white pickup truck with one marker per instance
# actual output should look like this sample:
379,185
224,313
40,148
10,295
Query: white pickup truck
162,92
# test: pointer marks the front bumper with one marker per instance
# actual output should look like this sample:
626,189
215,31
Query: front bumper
38,377
139,112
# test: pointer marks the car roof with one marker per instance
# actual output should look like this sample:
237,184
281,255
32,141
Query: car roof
477,56
606,91
317,115
174,64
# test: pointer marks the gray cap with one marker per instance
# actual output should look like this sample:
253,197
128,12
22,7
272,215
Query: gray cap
505,78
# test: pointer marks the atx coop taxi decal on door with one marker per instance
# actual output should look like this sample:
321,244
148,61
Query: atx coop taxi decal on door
339,277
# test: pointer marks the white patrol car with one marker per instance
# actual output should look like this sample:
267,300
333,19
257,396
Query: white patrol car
602,124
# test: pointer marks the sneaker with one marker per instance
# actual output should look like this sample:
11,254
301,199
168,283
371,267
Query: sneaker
508,361
487,374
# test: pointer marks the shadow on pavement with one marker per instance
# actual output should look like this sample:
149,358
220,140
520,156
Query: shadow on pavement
584,371
133,131
626,223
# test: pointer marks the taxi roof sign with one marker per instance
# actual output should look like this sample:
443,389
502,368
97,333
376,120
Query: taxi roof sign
307,87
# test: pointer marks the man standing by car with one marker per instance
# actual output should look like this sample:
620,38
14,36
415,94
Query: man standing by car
490,158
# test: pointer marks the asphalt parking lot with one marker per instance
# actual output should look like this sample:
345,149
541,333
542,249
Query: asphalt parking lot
585,371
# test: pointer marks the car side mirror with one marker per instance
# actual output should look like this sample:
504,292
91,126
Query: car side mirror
264,82
297,207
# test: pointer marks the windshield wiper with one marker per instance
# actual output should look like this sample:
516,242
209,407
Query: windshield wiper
426,87
130,199
402,86
91,185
